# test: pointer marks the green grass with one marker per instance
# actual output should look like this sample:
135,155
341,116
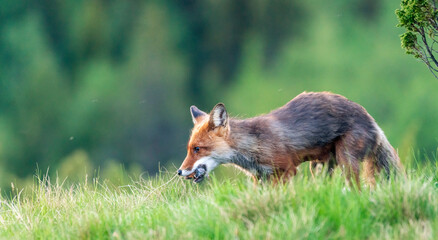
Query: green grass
167,207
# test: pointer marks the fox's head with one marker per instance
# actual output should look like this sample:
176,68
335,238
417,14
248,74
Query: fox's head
208,146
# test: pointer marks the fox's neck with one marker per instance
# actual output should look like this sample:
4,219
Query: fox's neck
246,137
245,134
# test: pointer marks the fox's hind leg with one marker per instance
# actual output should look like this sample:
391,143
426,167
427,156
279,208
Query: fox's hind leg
317,166
348,158
370,172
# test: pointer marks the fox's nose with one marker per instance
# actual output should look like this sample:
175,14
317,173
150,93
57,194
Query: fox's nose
179,172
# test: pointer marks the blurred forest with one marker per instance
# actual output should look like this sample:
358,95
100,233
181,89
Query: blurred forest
104,84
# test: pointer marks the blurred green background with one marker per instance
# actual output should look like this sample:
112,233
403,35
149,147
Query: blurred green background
103,86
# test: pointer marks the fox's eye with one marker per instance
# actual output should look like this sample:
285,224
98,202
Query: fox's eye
196,149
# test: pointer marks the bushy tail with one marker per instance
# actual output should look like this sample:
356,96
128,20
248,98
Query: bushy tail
386,157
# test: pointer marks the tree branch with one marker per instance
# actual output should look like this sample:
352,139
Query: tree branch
423,36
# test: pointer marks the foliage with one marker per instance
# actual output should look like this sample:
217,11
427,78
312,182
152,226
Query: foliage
167,207
419,18
106,85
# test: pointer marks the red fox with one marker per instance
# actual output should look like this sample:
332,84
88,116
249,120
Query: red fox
315,126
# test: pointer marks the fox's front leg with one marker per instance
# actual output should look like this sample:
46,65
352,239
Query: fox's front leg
312,166
283,176
255,180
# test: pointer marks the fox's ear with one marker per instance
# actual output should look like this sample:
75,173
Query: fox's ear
218,116
197,114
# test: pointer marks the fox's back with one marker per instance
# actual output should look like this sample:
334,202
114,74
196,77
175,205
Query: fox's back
317,119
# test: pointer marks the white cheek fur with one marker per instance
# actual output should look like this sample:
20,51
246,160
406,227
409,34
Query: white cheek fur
209,162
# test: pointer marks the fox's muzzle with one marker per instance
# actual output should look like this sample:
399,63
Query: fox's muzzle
198,174
185,172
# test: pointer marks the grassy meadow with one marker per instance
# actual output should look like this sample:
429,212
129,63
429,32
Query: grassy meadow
108,85
225,207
